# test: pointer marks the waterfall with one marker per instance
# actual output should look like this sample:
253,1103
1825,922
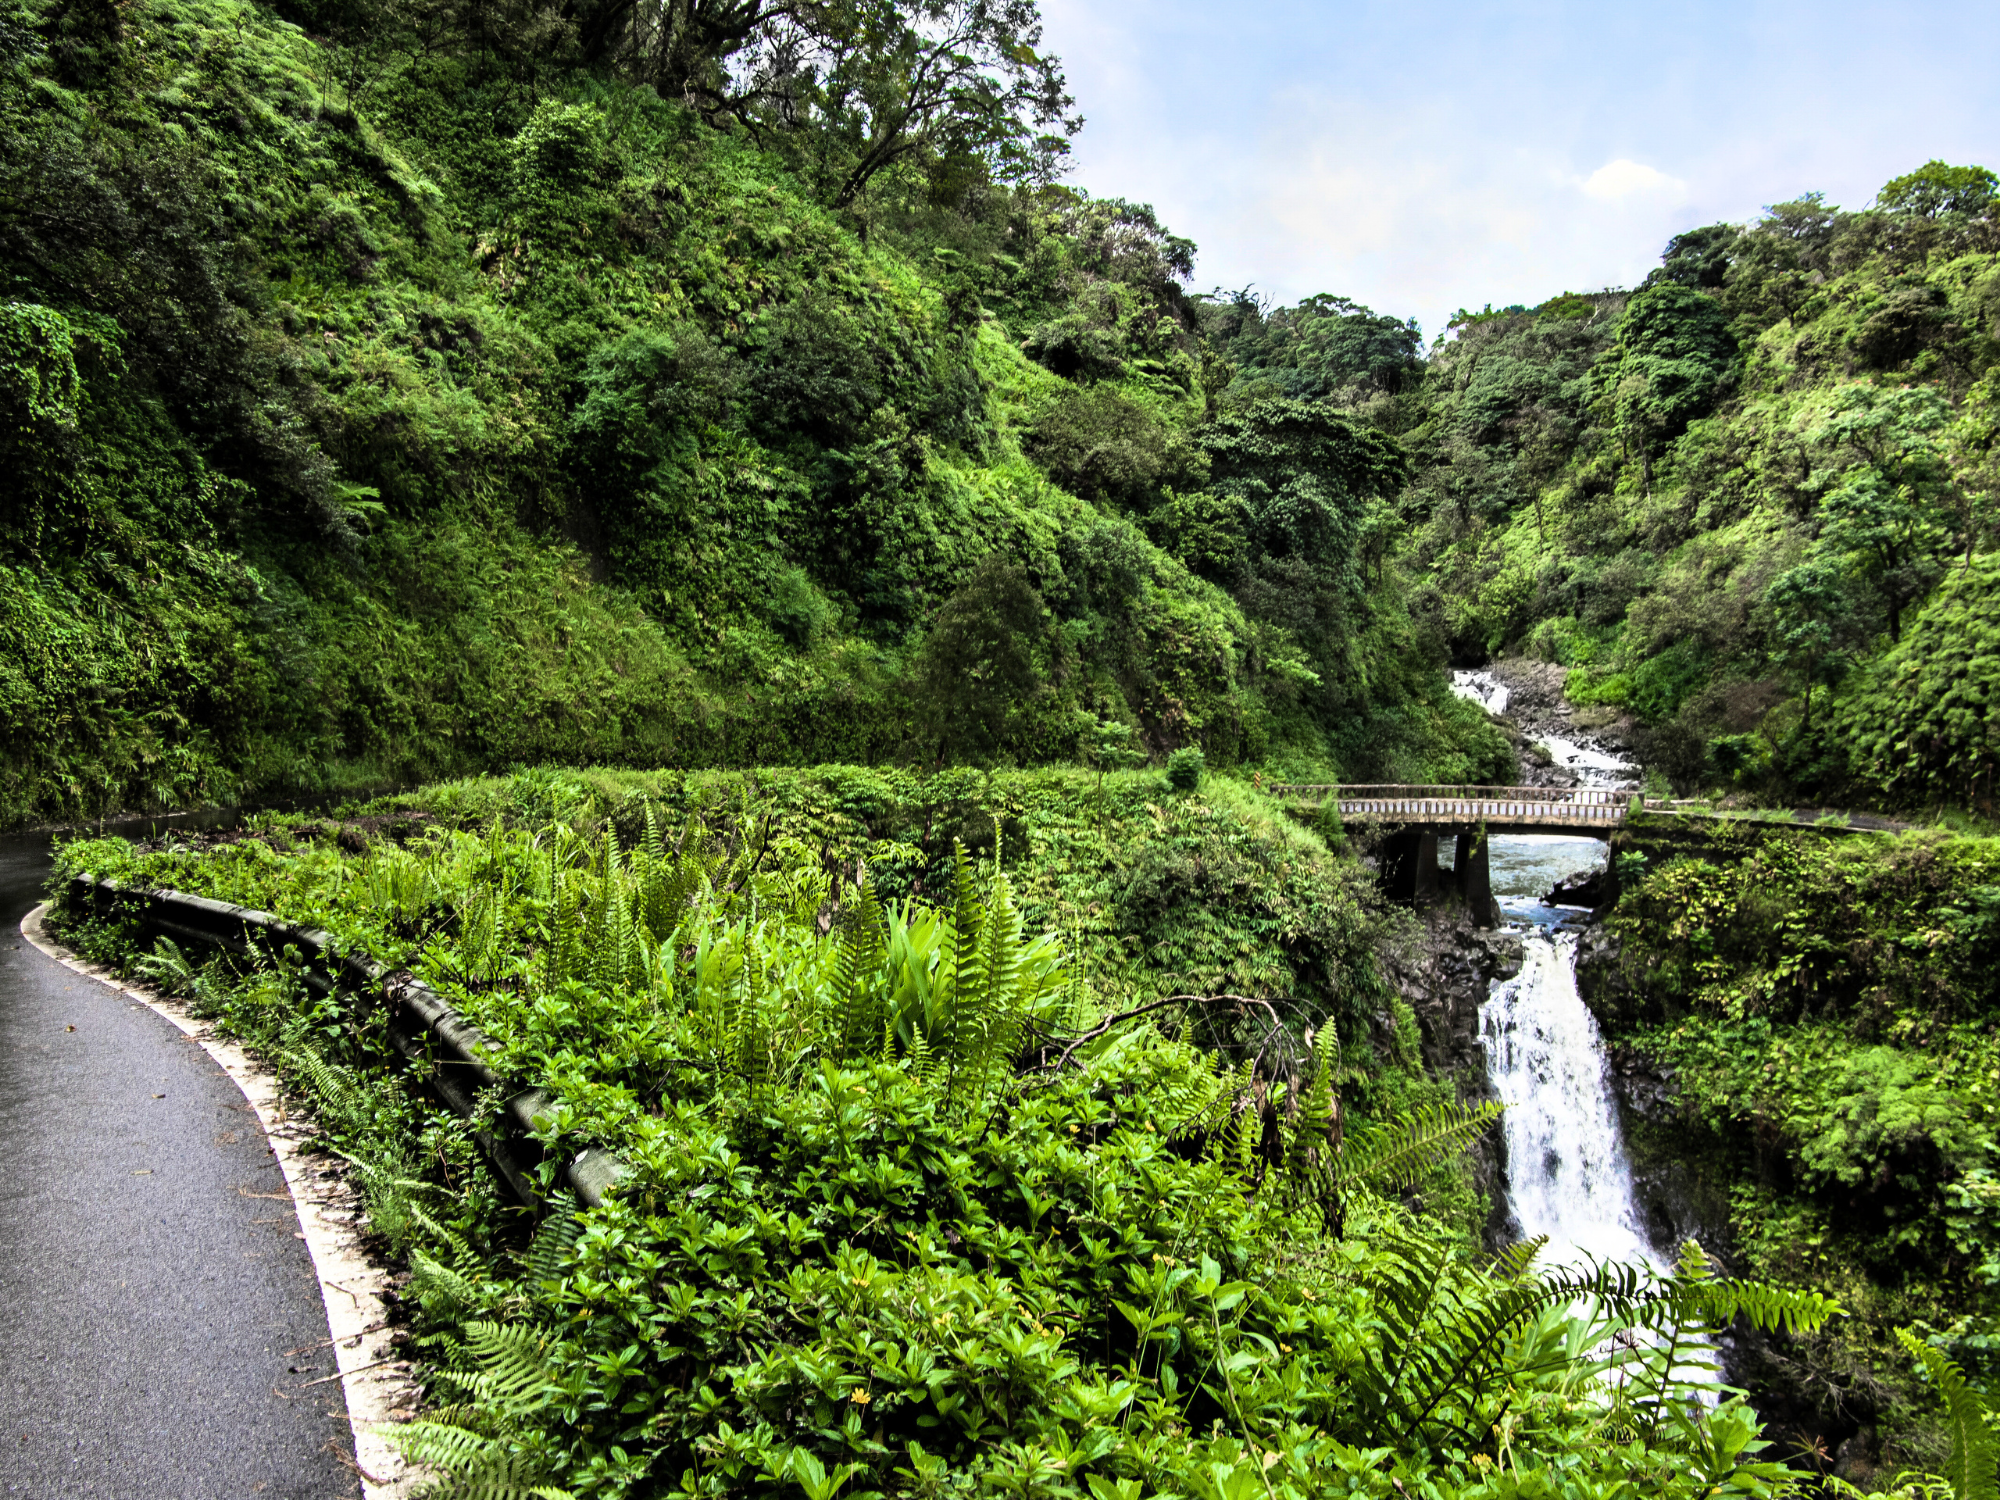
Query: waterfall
1567,1173
1568,1176
1589,762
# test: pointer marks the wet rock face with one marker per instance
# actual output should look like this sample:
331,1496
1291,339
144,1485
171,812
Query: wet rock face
1600,979
1445,978
1587,889
1534,690
1444,975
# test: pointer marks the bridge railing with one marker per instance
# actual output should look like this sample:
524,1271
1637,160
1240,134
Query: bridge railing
1462,804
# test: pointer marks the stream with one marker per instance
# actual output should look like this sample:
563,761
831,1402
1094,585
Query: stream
1568,1176
1589,762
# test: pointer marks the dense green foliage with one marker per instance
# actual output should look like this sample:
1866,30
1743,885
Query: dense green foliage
910,1207
428,395
1827,1012
1727,495
395,393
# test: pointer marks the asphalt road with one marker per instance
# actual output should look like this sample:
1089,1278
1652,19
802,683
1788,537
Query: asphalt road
158,1313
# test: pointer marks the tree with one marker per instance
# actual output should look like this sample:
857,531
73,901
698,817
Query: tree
858,86
1306,479
1816,634
978,669
1105,447
1891,499
1312,350
869,84
684,47
1674,358
1935,189
1772,265
1697,258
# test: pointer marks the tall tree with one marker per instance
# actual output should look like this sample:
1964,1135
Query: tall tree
881,82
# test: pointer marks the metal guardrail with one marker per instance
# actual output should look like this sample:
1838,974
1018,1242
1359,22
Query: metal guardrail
423,1027
1590,807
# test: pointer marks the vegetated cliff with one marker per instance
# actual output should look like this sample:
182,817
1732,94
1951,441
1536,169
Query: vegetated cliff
1747,504
1443,967
1804,1034
408,398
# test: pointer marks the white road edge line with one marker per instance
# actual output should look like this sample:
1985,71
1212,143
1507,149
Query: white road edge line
336,1255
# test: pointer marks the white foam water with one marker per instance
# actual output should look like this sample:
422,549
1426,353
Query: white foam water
1567,1173
1590,766
1483,689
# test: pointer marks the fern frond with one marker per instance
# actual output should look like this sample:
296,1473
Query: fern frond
1444,1338
558,1231
857,970
475,1467
1512,1263
335,1091
966,918
447,1447
1403,1151
988,1000
1972,1465
1697,1296
514,1374
167,968
1249,1134
436,1280
1203,1100
442,1232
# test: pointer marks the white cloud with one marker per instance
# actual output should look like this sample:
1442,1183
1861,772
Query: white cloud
1404,214
1618,180
1297,146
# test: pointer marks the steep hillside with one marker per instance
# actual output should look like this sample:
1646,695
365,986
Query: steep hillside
1747,504
425,394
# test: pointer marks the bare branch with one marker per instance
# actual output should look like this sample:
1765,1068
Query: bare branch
1239,1002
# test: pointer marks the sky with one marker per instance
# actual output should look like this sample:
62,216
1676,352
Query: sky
1424,156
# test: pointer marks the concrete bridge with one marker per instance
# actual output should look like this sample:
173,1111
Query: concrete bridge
1414,818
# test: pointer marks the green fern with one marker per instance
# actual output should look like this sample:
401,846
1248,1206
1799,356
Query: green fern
965,921
166,968
477,1447
332,1086
1446,1336
441,1288
1975,1458
1403,1151
560,1229
857,970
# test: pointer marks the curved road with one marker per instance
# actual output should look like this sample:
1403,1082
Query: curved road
159,1316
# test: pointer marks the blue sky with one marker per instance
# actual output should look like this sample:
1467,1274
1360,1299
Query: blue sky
1424,156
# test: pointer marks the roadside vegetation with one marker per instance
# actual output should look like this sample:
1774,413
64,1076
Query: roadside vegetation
919,1199
734,400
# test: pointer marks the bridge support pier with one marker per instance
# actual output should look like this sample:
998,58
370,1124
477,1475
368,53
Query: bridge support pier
1409,865
1472,871
1409,870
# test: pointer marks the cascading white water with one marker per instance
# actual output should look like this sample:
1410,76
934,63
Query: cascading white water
1568,1176
1589,766
1482,688
1567,1173
1588,762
